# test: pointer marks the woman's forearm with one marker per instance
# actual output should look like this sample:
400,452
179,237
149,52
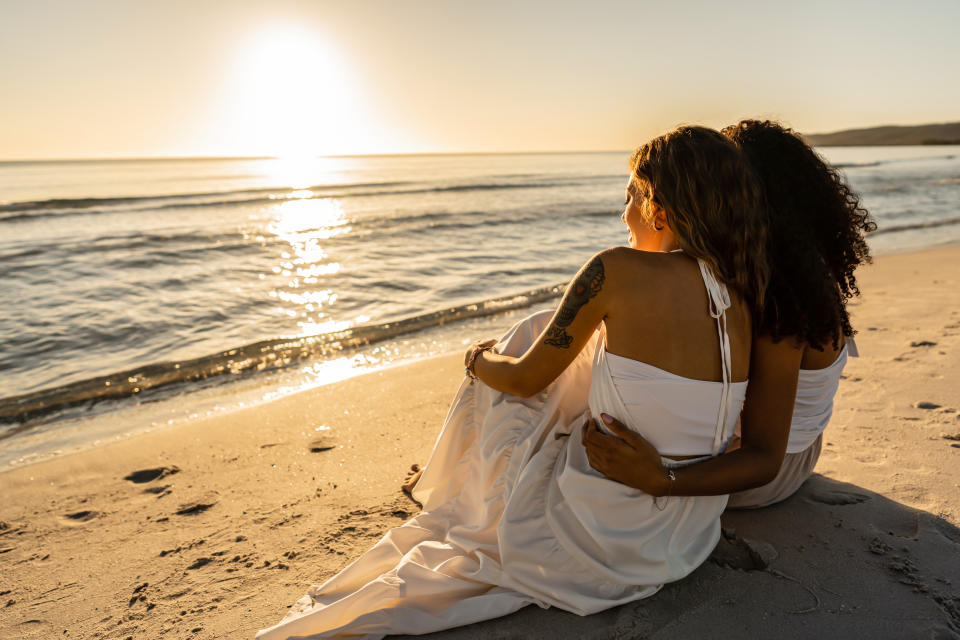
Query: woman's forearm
766,418
738,470
625,456
582,309
502,373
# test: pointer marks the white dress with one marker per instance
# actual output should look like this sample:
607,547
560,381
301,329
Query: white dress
514,515
812,408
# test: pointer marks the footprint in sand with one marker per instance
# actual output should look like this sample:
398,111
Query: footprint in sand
836,496
140,595
320,445
193,508
926,405
906,572
879,547
746,554
149,475
82,516
160,489
899,524
923,343
199,562
951,436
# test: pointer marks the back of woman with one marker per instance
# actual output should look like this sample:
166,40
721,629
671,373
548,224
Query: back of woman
671,363
692,209
816,241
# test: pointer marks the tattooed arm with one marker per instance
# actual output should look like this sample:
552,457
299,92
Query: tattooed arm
582,309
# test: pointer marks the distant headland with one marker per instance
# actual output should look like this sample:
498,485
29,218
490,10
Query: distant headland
944,133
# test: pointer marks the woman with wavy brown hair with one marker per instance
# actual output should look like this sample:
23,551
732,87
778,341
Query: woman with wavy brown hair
815,241
513,514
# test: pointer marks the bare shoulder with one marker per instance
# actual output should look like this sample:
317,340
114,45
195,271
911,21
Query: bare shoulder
626,268
634,259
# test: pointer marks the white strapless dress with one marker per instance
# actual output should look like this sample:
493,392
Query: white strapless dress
514,515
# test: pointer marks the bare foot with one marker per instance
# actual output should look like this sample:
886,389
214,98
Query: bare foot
413,476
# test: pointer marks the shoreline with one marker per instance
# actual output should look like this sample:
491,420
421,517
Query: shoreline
270,355
92,422
76,428
246,510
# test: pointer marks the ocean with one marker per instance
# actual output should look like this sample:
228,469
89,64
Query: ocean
140,293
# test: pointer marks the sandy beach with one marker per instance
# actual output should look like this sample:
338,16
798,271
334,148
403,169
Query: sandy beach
213,529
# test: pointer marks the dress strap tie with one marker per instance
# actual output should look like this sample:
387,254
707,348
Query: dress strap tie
719,302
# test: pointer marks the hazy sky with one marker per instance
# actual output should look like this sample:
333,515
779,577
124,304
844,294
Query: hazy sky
121,78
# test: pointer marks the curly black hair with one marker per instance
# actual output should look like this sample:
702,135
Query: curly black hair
815,239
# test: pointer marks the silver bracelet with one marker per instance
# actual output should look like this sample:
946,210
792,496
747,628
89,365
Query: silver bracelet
673,478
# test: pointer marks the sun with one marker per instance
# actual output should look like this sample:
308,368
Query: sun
294,96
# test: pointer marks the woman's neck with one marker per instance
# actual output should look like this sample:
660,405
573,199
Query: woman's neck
668,243
664,242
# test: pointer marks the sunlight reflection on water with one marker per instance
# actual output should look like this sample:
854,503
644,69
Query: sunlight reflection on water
319,218
303,223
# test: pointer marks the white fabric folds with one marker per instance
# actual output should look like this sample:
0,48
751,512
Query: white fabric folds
813,407
513,514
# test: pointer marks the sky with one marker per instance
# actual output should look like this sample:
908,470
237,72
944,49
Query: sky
136,78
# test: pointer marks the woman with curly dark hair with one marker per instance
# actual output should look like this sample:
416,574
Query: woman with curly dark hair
815,241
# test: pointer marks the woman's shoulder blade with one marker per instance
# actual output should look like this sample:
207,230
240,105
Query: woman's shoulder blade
628,265
630,260
622,265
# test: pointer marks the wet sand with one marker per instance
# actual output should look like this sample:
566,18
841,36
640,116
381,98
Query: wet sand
212,529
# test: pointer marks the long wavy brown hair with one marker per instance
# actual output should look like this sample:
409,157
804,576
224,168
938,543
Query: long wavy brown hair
712,201
816,237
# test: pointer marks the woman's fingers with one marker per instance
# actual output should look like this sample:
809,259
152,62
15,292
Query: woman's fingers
589,430
606,464
624,457
594,439
600,448
598,461
623,432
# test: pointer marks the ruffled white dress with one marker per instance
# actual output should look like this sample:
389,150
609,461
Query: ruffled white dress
513,514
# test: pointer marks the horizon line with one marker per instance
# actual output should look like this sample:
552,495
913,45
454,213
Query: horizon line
305,157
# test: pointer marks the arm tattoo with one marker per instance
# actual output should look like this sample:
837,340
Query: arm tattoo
586,286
